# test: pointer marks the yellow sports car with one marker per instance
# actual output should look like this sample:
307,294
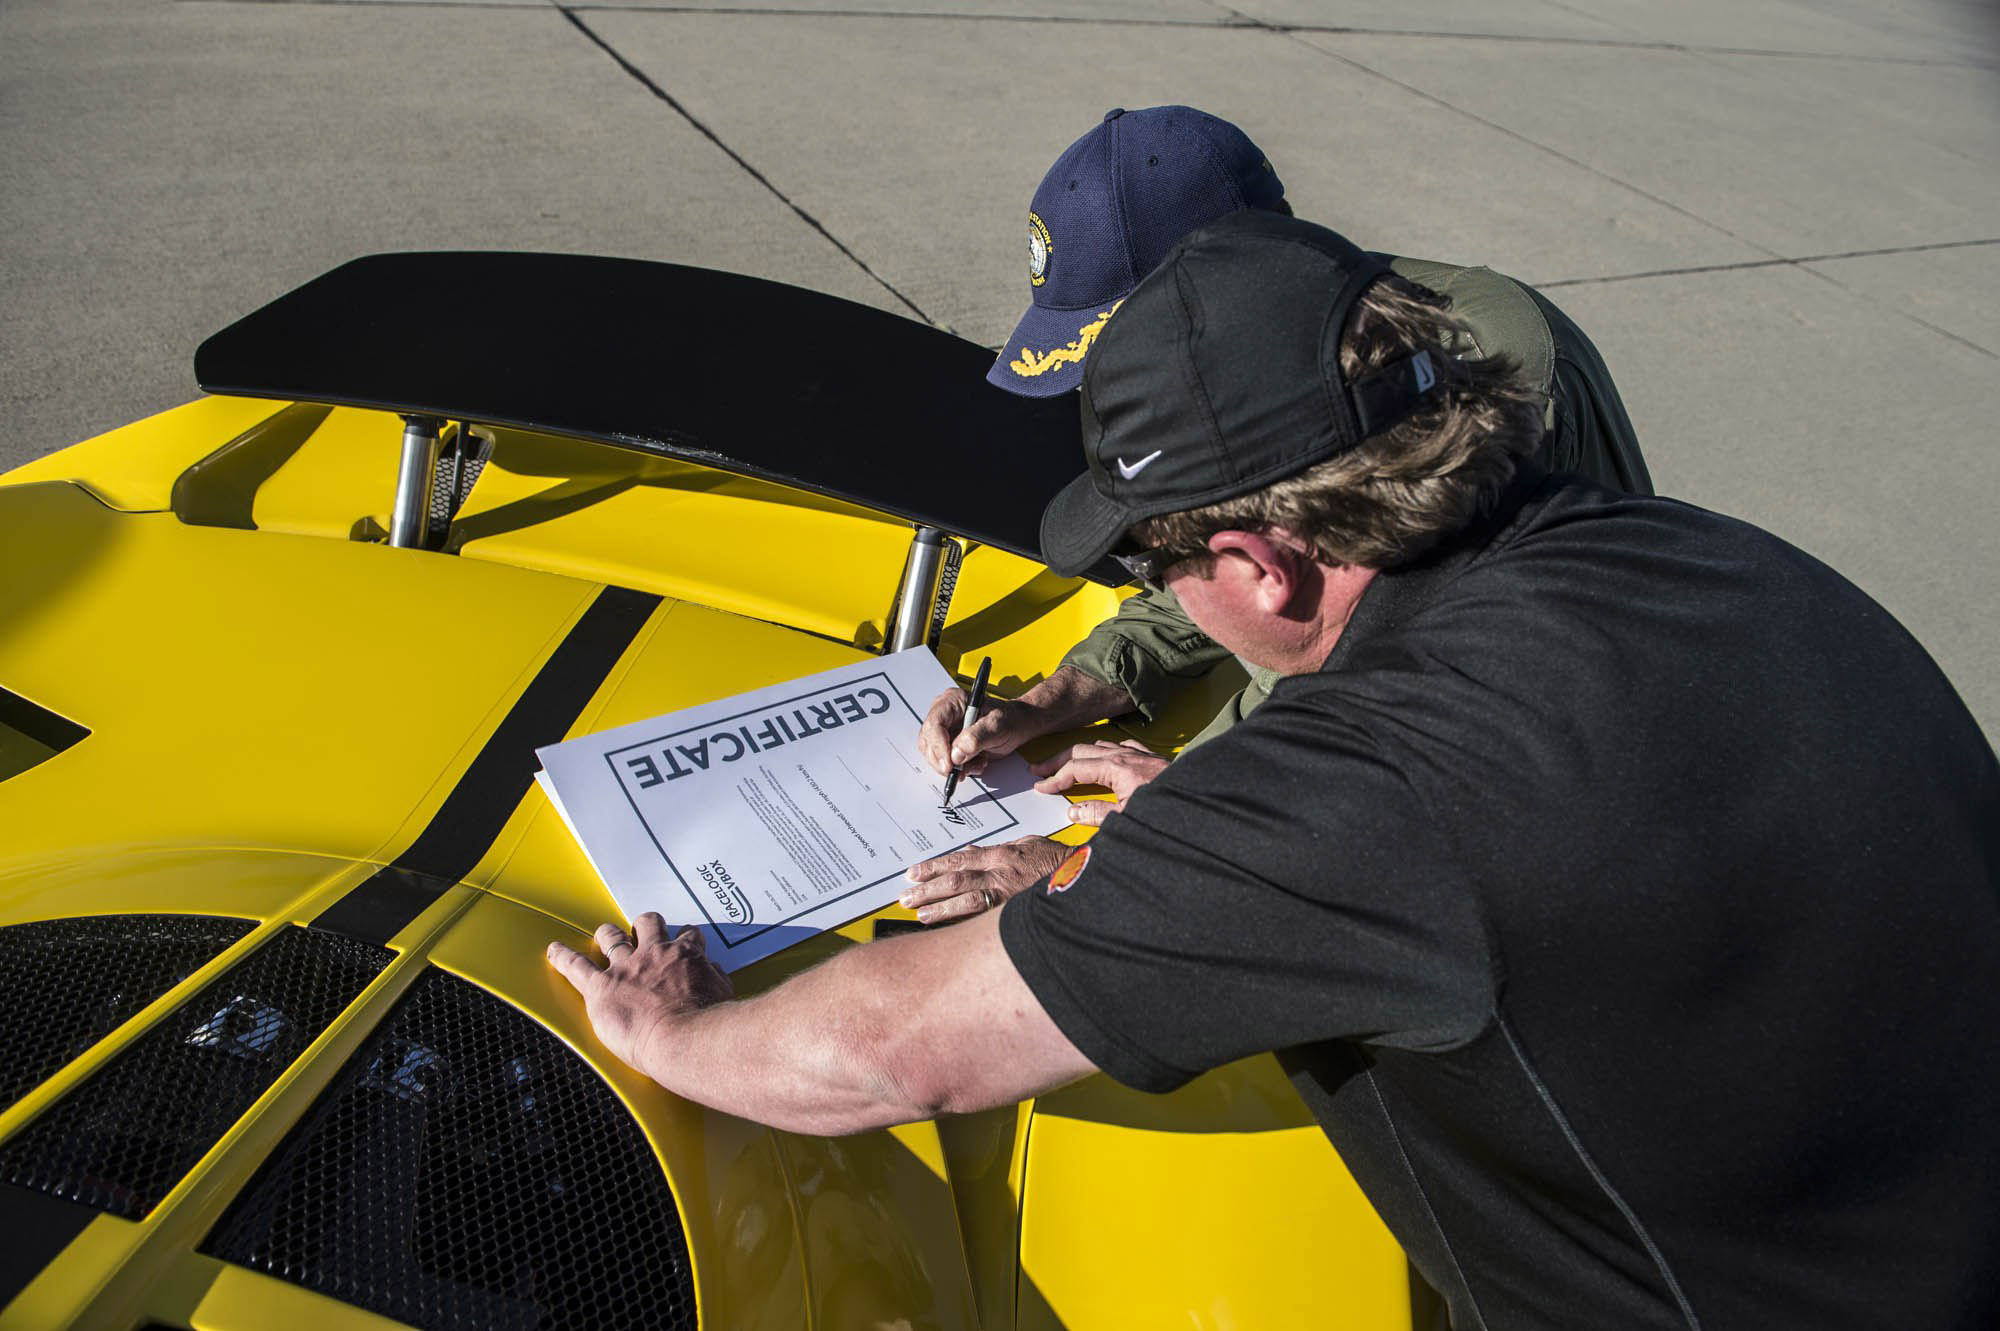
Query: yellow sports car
280,1047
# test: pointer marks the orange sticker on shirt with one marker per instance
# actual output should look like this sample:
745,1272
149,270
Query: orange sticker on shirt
1069,870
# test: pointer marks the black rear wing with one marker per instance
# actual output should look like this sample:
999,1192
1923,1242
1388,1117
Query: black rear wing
727,371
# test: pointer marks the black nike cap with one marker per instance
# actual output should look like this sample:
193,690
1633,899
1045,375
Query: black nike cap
1219,375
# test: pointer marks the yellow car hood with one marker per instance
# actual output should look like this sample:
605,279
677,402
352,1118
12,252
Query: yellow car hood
284,695
278,725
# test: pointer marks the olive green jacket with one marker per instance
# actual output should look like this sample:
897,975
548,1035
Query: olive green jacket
1151,647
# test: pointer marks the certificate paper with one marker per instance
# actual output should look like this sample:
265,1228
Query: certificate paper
773,815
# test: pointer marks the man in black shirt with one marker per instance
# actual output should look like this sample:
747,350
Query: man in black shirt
1618,881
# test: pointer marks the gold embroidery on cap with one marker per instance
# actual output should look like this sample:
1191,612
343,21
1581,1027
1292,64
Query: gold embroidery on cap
1031,362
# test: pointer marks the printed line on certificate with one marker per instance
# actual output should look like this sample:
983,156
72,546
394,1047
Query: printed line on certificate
917,838
902,757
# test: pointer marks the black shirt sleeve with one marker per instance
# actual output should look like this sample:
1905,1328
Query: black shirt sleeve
1281,885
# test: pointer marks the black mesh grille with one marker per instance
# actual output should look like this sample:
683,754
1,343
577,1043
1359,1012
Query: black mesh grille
123,1138
468,1170
66,984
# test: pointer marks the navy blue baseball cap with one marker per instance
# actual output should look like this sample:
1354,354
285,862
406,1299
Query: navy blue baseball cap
1105,215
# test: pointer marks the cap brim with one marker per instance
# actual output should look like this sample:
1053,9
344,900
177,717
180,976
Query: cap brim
1045,353
1080,526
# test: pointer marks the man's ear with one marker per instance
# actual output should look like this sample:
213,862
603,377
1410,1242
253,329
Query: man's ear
1273,572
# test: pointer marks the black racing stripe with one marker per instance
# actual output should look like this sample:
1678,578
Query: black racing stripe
38,723
485,797
38,1227
377,909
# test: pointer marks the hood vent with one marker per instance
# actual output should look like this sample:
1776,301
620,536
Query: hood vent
121,1140
465,1169
66,984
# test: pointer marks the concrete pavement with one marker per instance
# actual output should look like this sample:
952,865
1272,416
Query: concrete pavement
1779,219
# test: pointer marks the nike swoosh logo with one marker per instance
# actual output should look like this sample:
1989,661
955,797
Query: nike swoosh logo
1130,469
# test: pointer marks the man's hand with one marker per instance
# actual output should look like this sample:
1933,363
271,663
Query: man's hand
978,878
1001,727
1065,699
1120,768
650,981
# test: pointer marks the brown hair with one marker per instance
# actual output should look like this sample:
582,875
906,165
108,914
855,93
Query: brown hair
1396,494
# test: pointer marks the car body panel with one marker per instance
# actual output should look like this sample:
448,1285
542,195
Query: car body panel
166,642
135,467
1188,1222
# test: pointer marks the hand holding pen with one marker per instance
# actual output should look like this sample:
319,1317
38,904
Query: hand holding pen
972,707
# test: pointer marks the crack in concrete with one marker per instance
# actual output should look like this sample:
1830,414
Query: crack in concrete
1775,260
1239,20
1778,262
1234,19
1519,137
646,82
1918,320
514,5
1804,263
1935,328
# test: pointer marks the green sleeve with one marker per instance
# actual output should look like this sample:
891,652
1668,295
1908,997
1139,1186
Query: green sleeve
1588,430
1147,649
1241,705
1500,314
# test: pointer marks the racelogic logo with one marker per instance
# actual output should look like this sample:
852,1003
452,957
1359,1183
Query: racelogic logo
716,878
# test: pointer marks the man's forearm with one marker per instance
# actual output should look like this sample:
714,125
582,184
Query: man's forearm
808,1056
1068,698
889,1032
